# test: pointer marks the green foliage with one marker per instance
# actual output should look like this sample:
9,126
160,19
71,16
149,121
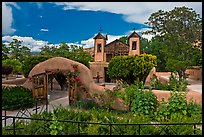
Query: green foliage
17,51
173,84
144,46
109,100
16,97
5,51
154,47
124,39
72,52
143,64
86,103
128,95
131,68
177,105
56,127
177,29
16,64
144,102
138,99
31,61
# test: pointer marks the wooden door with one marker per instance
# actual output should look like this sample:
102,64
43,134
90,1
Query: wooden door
40,86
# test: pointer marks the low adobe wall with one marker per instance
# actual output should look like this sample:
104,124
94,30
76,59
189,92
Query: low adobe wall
20,81
195,96
195,73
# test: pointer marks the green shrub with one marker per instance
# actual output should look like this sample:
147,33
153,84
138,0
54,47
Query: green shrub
138,99
16,64
99,115
177,104
85,104
16,97
173,84
31,61
144,102
131,68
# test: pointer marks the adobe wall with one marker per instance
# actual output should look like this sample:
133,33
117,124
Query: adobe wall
151,73
98,67
195,73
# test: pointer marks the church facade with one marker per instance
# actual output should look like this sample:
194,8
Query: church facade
103,53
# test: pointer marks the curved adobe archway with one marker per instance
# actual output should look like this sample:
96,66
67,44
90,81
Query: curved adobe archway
85,76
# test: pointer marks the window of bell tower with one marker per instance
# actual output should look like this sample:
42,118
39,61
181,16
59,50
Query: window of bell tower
134,45
99,48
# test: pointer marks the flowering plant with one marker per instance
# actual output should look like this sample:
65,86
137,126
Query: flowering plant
72,75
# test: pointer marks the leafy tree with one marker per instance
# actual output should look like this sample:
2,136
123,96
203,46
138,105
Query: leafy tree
17,51
124,39
155,48
16,64
131,69
178,29
72,52
5,52
31,61
48,50
144,46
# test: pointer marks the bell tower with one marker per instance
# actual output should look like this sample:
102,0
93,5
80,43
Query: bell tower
99,47
134,44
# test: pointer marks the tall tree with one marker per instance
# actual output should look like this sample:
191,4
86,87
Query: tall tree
5,52
17,51
124,39
178,30
144,46
72,52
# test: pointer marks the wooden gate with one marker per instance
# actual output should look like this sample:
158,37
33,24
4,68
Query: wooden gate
40,86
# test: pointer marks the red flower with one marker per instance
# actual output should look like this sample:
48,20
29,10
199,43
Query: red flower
64,73
75,68
72,79
78,78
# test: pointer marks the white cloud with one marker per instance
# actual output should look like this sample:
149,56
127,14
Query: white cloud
88,43
29,42
44,30
137,12
7,17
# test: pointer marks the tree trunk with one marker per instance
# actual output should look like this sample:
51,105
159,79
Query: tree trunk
180,73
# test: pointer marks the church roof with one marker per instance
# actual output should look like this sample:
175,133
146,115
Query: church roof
134,34
115,41
99,36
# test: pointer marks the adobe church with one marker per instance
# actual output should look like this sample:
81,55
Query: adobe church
103,53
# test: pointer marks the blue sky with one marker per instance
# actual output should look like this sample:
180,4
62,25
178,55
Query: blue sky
45,23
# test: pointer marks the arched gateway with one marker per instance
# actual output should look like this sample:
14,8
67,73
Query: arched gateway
59,63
